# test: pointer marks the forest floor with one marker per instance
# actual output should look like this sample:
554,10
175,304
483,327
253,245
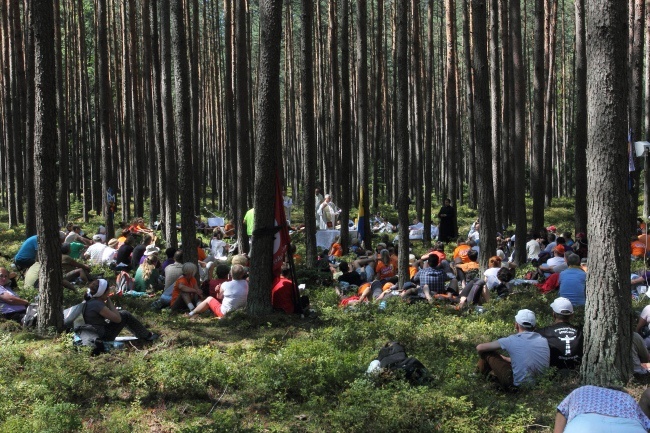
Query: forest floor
279,373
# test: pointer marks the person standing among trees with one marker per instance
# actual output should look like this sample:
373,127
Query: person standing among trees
448,228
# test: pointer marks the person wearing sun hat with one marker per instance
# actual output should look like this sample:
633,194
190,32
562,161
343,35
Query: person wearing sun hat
108,322
529,354
564,340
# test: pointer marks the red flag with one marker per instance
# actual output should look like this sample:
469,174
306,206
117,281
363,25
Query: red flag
282,239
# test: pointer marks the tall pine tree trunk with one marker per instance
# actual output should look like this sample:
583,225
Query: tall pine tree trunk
182,102
537,163
484,187
268,137
402,145
608,287
580,132
50,290
308,134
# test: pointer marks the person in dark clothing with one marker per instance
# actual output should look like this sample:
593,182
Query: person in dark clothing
123,255
564,339
448,228
351,277
138,252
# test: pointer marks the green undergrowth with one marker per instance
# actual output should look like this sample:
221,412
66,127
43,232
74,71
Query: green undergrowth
278,373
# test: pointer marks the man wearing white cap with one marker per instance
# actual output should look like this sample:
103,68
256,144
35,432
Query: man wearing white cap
564,339
529,353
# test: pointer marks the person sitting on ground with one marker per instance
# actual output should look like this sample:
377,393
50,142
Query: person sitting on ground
637,248
431,279
552,243
336,250
460,253
138,251
384,269
594,409
95,252
282,292
229,229
138,227
125,233
218,248
174,270
222,271
555,264
101,231
490,274
467,271
110,252
350,277
475,292
169,253
364,265
75,236
26,255
186,293
581,246
473,234
564,339
529,354
642,327
123,256
147,277
231,295
108,322
12,307
71,268
572,281
532,247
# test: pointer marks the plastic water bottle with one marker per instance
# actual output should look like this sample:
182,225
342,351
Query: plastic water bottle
479,309
113,345
382,305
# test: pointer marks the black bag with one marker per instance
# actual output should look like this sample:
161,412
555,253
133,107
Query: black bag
414,371
391,354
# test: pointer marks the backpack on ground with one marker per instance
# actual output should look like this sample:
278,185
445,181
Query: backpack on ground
394,358
124,283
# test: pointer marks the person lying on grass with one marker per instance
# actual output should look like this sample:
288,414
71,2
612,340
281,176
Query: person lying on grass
230,296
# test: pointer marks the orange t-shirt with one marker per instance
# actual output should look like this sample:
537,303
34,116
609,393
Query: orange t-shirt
394,261
202,254
469,266
177,290
638,248
384,271
461,251
412,271
336,250
441,256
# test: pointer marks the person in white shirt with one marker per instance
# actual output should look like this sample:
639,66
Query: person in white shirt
532,247
473,231
328,212
231,295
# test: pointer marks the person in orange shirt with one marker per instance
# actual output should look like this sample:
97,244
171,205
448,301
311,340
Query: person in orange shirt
186,293
413,269
335,249
637,248
384,268
460,253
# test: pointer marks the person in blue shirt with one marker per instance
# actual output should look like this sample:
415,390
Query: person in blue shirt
573,281
26,255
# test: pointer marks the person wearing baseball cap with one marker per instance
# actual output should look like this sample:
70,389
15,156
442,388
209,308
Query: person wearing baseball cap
529,354
564,340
